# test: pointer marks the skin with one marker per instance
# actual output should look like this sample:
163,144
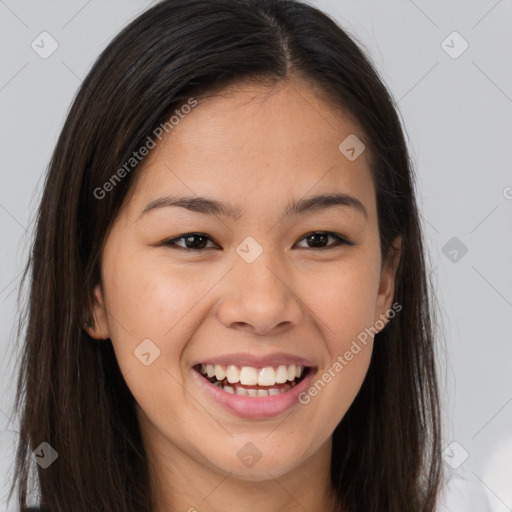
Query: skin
258,148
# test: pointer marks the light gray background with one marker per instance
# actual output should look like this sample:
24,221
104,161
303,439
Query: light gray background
457,114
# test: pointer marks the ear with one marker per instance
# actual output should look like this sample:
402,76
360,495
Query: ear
98,327
387,280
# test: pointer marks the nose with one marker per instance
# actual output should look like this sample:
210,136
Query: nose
258,298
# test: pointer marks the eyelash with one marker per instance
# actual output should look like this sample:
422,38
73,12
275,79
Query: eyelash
341,240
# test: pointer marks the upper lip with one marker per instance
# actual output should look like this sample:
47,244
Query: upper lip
257,361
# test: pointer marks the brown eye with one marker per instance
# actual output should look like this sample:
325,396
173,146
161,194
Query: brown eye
193,241
319,240
315,240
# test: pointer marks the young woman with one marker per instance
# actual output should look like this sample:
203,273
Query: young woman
229,307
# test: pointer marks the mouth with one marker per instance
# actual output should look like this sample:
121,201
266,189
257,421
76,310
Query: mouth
253,382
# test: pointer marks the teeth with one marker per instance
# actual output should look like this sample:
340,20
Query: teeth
281,374
232,374
250,376
242,391
267,376
220,373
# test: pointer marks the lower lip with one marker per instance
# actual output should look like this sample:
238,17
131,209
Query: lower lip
255,407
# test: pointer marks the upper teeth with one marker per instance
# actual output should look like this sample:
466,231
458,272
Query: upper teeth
250,376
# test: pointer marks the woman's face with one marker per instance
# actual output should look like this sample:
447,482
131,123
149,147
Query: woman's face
251,291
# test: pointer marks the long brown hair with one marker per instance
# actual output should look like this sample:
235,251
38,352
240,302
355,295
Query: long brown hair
71,394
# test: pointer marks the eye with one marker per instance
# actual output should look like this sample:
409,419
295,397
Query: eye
194,241
318,239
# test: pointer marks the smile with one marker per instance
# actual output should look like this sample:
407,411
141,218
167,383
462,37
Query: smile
249,381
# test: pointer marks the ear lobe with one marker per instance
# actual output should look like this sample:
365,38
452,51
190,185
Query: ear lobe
97,327
387,279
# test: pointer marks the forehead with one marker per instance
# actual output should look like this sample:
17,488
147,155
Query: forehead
254,140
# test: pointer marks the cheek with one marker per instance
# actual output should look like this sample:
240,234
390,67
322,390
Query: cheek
344,311
141,300
336,385
153,302
334,389
343,300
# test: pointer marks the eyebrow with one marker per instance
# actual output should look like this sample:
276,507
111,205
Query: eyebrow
212,207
